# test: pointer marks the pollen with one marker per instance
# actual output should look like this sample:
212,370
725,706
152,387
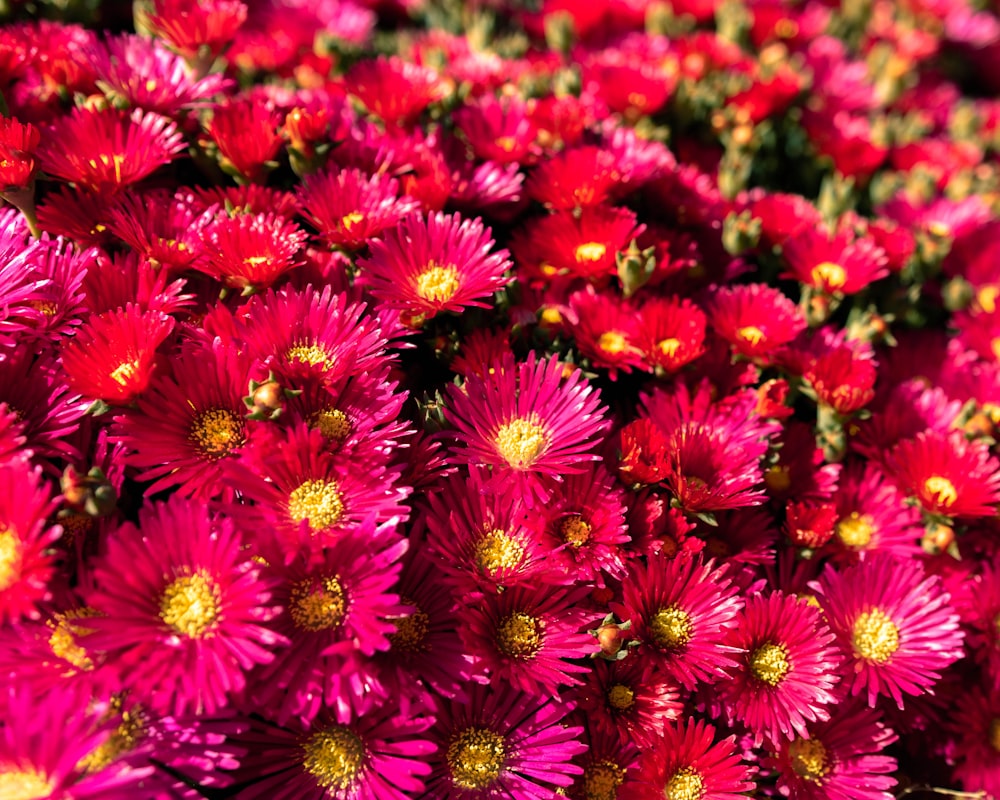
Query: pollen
520,442
123,739
217,432
65,631
255,261
613,342
941,490
574,530
190,605
668,347
332,423
519,635
11,553
496,551
437,284
317,604
751,335
829,274
601,780
476,757
310,354
411,630
808,759
506,143
876,637
18,784
621,697
124,372
987,296
334,757
591,251
115,161
769,663
685,784
855,530
348,221
671,628
320,502
938,228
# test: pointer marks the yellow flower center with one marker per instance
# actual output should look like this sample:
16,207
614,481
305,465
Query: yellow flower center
601,780
255,261
190,604
65,630
334,757
612,342
217,432
995,347
621,697
574,530
332,423
855,530
123,739
591,251
829,274
348,221
876,637
311,354
520,442
505,143
671,628
778,478
668,347
995,735
124,372
317,604
938,228
519,635
11,551
941,490
685,784
475,758
751,334
320,502
987,297
808,759
20,784
496,551
411,630
769,663
437,284
114,160
786,28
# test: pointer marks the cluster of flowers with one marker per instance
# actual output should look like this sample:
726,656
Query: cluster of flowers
593,401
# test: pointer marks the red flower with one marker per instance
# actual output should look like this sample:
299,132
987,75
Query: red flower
247,133
189,25
18,142
755,319
250,251
395,90
644,454
582,176
835,264
671,332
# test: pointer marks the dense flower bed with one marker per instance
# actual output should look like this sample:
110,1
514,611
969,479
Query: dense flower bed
416,399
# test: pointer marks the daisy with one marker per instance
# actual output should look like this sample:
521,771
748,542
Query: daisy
671,332
306,495
26,561
525,638
609,769
682,610
349,208
164,228
503,743
833,264
688,763
112,356
250,251
106,150
574,178
188,422
442,263
526,421
181,609
839,760
336,608
380,754
630,699
755,319
947,474
789,669
893,625
606,330
498,128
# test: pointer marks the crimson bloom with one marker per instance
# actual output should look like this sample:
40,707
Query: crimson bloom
18,142
189,25
755,319
250,251
246,132
833,264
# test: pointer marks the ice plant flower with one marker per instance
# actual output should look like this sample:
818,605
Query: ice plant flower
246,132
181,609
190,25
893,625
442,263
790,668
527,422
250,251
18,142
112,355
104,151
755,319
834,264
688,763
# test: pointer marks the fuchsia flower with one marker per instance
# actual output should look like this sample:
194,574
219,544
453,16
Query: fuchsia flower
755,319
394,90
181,609
246,132
250,251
